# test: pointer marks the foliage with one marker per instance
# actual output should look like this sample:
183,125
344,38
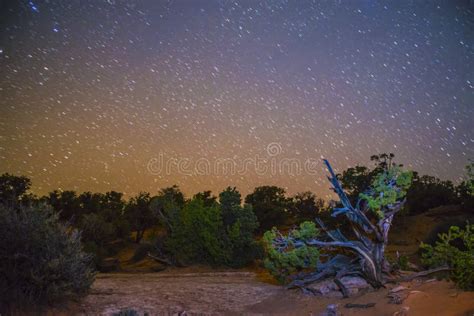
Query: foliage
205,231
197,233
305,206
140,215
465,190
401,263
470,177
282,262
387,188
356,179
206,197
13,188
361,252
229,199
99,216
428,192
96,234
269,205
172,195
41,259
240,236
459,257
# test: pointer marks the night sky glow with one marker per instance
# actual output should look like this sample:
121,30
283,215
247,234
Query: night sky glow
92,91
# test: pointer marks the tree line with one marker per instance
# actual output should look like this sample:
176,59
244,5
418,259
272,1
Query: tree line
216,230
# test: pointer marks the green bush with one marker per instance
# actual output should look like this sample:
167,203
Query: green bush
197,235
211,233
41,260
386,192
240,229
282,263
456,250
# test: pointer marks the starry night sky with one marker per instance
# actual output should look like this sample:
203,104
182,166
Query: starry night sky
92,90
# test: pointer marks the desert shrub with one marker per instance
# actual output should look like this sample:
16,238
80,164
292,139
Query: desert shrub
282,263
41,259
456,250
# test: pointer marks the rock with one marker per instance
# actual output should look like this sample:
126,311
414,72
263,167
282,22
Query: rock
331,310
329,288
324,287
354,282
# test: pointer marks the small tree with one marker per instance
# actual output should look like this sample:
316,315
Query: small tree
140,215
269,205
197,234
305,206
455,249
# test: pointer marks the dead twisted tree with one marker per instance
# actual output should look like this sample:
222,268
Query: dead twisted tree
369,223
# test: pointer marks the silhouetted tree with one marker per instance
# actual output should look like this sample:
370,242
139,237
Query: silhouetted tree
356,179
140,215
172,194
305,206
207,198
67,204
269,205
13,188
465,190
428,192
91,202
229,199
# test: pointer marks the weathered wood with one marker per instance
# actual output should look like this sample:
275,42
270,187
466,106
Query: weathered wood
368,249
161,260
342,287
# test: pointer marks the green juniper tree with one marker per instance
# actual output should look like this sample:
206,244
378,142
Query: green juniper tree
361,253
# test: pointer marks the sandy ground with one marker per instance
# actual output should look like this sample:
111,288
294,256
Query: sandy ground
203,291
242,293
